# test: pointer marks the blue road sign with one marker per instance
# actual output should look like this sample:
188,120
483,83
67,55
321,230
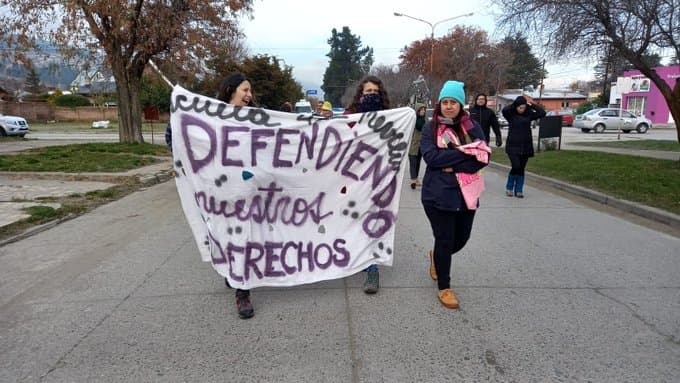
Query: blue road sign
311,91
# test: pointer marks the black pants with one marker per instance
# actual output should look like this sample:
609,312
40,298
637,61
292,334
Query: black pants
518,162
414,164
451,232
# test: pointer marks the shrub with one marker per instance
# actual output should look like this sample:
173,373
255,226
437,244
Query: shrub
71,100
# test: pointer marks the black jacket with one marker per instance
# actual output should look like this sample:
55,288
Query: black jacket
519,139
486,118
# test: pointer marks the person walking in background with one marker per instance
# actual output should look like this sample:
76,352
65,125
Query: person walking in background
486,118
450,218
327,109
286,107
519,144
370,96
414,155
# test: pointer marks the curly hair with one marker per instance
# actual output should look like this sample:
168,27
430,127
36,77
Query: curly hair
354,105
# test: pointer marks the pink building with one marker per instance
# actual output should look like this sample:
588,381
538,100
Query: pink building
643,97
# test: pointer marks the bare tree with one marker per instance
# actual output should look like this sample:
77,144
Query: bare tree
633,28
397,83
130,33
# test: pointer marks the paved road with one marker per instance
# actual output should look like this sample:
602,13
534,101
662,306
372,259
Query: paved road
550,291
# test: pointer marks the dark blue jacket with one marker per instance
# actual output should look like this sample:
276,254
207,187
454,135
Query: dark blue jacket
440,189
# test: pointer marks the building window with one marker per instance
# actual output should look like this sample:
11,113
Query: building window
637,105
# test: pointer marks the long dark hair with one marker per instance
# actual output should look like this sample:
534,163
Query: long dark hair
229,85
354,105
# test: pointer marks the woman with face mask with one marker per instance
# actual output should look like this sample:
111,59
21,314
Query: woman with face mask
370,96
445,206
520,144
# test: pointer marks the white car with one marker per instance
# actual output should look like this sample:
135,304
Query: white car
603,119
13,126
103,124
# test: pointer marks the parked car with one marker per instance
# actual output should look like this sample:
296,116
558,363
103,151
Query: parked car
338,111
567,118
303,106
501,120
13,126
602,119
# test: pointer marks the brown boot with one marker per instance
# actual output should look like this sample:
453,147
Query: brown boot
433,270
448,298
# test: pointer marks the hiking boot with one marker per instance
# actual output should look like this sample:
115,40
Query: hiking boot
519,195
243,305
433,270
509,193
372,282
448,298
413,184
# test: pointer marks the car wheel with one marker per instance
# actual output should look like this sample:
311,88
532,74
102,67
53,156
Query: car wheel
626,130
599,128
584,130
642,128
2,132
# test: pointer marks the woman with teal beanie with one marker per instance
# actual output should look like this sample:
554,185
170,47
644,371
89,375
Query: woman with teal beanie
449,216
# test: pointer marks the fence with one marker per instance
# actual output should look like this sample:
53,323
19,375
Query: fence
42,111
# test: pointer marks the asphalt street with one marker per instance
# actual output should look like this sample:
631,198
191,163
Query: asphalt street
551,291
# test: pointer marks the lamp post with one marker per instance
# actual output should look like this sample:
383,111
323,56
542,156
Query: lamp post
432,26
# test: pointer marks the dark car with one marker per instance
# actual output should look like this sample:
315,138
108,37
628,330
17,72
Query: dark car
567,118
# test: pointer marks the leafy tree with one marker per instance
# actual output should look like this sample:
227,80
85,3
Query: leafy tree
632,28
464,54
130,33
348,62
272,84
525,68
155,92
33,82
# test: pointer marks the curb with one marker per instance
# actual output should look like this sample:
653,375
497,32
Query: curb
648,212
146,181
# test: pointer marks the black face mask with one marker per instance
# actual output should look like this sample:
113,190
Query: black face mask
370,102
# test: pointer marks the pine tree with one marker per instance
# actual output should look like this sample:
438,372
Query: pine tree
526,69
349,62
33,82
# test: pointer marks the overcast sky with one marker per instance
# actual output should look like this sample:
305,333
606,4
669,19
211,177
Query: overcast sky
297,32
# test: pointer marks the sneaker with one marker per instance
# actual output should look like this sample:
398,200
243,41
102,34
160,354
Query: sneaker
508,193
519,195
372,282
413,185
433,270
448,298
243,305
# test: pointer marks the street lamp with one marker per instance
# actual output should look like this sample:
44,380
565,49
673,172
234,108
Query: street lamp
432,26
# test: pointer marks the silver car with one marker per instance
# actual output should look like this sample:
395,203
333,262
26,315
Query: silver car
603,119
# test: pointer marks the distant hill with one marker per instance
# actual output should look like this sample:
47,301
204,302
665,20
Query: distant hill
48,63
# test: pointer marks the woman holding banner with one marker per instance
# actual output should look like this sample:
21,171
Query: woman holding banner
370,96
236,90
449,213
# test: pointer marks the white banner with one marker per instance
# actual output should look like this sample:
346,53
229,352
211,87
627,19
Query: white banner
279,199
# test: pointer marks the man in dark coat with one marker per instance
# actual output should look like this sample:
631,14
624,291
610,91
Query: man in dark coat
486,118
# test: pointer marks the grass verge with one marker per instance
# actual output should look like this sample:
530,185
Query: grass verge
78,158
662,145
649,181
